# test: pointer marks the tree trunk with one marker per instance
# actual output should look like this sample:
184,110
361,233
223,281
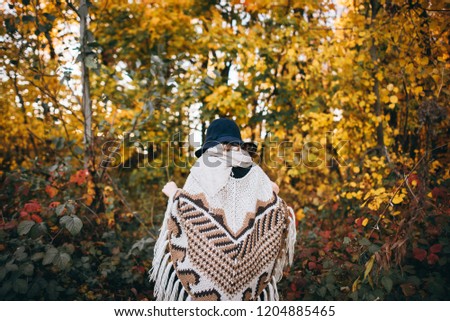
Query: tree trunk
376,6
86,104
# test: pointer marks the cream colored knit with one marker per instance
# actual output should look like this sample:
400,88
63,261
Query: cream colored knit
232,246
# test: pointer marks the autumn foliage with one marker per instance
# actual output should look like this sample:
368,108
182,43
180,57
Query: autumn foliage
347,100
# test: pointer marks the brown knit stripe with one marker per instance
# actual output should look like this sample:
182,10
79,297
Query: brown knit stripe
208,295
230,262
178,253
173,227
219,216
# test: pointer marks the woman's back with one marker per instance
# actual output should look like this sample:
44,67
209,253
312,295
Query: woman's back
227,245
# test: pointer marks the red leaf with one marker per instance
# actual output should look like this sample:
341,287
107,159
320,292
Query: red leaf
32,206
293,287
36,218
436,248
358,222
335,207
419,254
54,204
24,215
311,265
325,234
438,192
432,259
413,180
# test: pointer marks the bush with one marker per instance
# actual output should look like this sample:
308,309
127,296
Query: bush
53,246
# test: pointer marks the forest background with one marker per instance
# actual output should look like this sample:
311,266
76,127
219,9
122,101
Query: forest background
102,102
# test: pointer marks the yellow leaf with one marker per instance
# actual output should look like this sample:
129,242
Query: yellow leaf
390,87
393,99
367,195
418,90
374,205
424,61
369,266
355,285
356,170
300,215
365,221
379,191
398,198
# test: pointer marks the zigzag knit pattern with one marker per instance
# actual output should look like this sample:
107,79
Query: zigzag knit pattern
234,252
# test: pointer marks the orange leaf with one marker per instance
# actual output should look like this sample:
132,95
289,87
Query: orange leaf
79,177
51,191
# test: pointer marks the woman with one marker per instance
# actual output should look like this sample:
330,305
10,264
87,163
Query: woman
226,235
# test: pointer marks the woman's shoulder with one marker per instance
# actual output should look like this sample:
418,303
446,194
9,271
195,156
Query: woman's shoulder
259,172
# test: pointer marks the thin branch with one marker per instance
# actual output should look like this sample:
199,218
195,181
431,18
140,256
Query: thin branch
398,188
125,203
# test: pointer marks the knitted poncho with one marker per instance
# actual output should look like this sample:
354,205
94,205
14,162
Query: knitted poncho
232,246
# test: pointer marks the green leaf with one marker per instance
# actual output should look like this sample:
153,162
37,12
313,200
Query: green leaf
20,254
50,255
90,36
62,261
72,223
373,248
20,286
346,240
364,242
25,226
49,16
70,208
11,267
2,273
77,150
27,18
322,291
27,269
387,283
45,27
38,230
4,289
60,209
10,26
37,256
91,61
